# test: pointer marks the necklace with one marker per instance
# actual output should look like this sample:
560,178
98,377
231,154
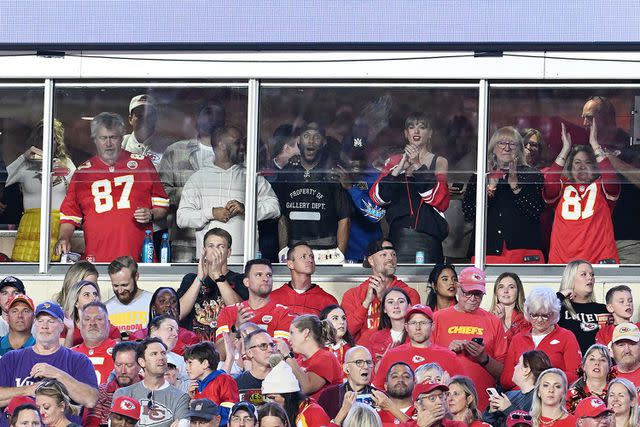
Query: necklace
549,423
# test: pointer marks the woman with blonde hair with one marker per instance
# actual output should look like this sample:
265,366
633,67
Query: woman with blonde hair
463,401
514,202
54,403
547,407
595,372
580,313
81,270
508,303
623,400
78,296
315,367
27,171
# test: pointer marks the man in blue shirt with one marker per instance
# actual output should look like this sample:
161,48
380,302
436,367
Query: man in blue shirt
20,310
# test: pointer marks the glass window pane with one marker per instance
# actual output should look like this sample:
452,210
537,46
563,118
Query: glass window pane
589,184
168,131
21,173
330,154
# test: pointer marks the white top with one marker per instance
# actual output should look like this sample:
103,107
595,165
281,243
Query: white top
537,339
131,317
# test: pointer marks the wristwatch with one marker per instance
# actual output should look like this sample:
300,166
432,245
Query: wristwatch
221,278
288,356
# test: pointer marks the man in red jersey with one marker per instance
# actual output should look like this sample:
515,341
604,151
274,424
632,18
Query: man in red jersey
96,345
625,346
431,403
258,309
362,303
115,196
476,335
299,294
419,350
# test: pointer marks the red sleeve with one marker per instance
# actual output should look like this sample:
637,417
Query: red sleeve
509,364
609,180
434,330
227,389
326,366
284,323
552,183
315,416
414,296
499,345
226,319
374,192
601,337
439,196
114,333
70,212
381,371
572,359
138,335
356,313
188,337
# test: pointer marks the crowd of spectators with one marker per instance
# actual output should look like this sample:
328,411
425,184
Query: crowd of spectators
551,358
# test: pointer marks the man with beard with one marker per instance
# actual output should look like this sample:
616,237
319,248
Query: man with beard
315,207
258,309
94,328
399,385
20,309
214,196
299,294
162,403
115,196
625,347
129,307
127,373
362,303
419,350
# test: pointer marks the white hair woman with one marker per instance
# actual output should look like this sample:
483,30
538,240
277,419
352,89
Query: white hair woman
580,313
542,310
623,400
547,407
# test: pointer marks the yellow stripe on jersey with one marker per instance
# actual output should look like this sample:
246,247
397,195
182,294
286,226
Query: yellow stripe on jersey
221,330
281,334
160,201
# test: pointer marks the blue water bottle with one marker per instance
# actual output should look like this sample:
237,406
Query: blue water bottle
147,247
165,249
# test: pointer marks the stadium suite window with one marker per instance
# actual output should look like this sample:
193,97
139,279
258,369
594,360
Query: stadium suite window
592,216
324,148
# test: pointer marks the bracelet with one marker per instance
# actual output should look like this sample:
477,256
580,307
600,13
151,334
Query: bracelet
201,280
563,159
151,215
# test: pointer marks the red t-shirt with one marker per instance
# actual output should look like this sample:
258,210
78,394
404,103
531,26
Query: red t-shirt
274,318
443,423
451,324
222,389
570,421
325,365
560,345
378,343
310,414
415,357
102,199
359,318
311,301
582,225
633,376
101,358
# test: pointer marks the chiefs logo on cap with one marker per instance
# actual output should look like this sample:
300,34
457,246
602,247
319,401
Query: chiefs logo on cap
127,405
477,276
624,329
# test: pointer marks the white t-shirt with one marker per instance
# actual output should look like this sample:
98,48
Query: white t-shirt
131,317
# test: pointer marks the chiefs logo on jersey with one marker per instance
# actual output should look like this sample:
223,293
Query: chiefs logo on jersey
132,164
85,165
267,319
417,359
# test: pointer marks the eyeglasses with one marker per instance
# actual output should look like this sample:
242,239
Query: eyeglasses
264,346
433,398
505,144
113,138
360,363
420,323
472,294
542,316
525,417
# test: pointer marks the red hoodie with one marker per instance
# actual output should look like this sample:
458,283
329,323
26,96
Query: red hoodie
311,301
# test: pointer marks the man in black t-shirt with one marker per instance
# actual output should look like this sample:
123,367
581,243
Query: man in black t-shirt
203,295
315,208
259,348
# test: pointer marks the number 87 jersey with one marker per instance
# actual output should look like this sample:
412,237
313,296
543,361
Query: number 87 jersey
102,200
582,226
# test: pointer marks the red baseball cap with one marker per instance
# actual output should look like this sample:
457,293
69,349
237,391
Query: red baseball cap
591,407
424,388
472,279
21,298
419,308
126,406
17,401
519,418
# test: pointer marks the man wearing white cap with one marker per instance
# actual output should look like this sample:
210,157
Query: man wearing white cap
143,116
625,346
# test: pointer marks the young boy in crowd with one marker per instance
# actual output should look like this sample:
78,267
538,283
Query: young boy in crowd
619,302
216,385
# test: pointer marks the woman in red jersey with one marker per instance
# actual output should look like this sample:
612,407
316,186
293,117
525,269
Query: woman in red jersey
508,303
584,185
547,408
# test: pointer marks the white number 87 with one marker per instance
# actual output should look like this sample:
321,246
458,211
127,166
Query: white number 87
101,191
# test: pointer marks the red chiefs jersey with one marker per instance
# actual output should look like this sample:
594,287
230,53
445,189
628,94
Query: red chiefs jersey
582,225
633,376
311,301
100,357
325,365
218,387
388,420
102,199
274,318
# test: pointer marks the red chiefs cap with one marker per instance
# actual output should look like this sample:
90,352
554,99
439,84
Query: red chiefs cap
126,406
424,388
591,407
419,308
21,297
472,279
17,401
